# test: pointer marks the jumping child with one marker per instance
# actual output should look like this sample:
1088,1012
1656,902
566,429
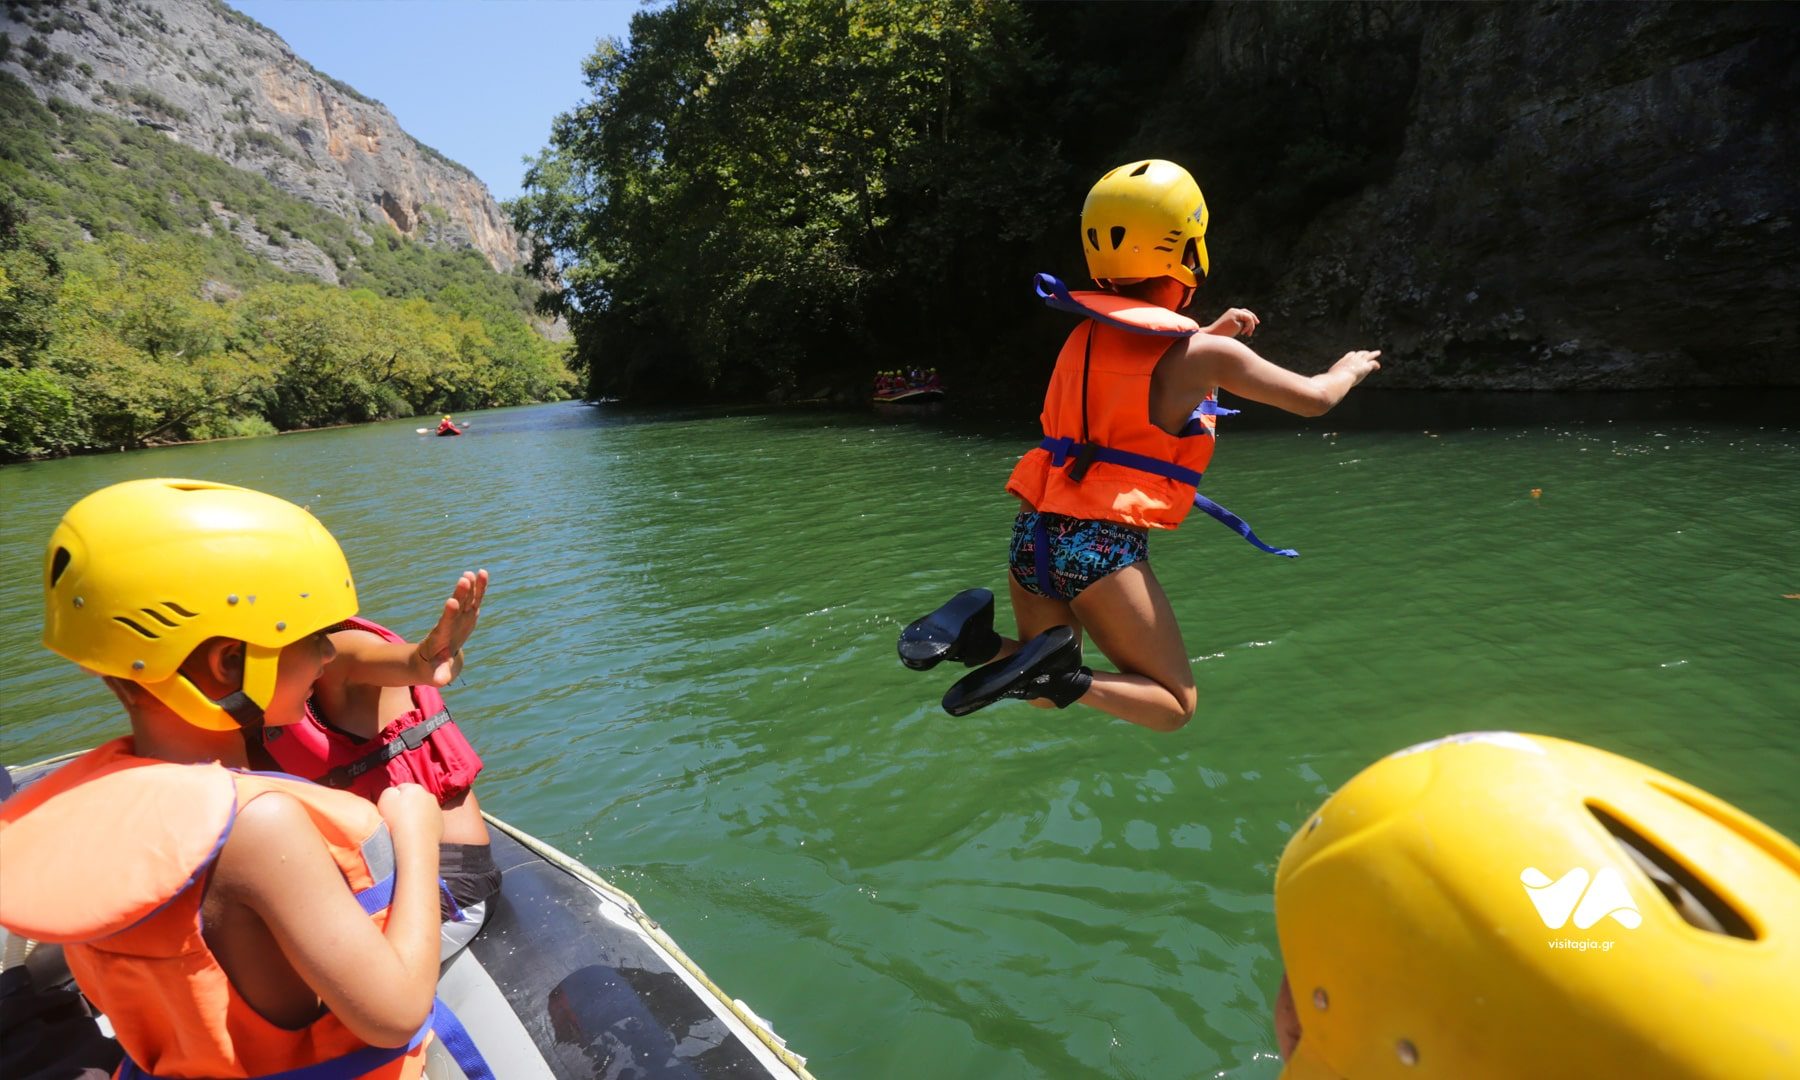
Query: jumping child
1128,425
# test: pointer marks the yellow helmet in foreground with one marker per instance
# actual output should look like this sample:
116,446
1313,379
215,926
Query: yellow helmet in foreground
1144,220
1504,905
139,574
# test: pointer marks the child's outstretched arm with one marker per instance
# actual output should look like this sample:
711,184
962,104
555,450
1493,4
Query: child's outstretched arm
367,660
1234,366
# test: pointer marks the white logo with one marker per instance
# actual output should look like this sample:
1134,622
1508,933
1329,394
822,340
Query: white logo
1557,900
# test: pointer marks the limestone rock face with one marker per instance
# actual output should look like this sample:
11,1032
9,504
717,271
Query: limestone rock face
218,82
1503,196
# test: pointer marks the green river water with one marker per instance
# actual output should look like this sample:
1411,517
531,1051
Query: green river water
685,677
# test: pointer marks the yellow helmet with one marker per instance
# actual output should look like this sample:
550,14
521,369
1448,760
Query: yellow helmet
1144,220
1503,905
139,574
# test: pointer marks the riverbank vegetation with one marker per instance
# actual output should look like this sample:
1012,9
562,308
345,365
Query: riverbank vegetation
133,309
778,198
775,199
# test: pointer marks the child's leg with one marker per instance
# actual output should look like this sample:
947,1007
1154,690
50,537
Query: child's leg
1036,614
1129,618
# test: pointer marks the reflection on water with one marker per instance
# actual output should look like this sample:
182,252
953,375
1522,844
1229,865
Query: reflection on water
685,677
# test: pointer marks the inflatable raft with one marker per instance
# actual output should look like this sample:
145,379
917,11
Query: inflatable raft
915,396
568,978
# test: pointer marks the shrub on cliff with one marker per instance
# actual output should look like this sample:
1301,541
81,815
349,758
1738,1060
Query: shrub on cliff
38,415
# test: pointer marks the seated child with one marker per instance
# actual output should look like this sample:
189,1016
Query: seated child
227,922
376,719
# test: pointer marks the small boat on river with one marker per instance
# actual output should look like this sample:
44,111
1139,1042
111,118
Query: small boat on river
568,978
908,391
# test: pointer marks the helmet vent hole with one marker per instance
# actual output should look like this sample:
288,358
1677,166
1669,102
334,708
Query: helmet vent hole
1681,888
158,616
143,632
58,563
1118,236
1094,239
179,610
1141,169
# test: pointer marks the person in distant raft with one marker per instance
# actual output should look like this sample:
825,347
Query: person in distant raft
375,719
227,922
1128,430
447,426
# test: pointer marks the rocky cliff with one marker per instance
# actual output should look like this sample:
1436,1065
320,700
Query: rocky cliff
221,83
1517,196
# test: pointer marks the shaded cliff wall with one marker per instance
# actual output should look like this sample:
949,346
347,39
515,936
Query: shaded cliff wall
1506,196
217,81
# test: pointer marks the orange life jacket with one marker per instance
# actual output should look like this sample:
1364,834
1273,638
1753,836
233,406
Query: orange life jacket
1101,457
104,855
1099,397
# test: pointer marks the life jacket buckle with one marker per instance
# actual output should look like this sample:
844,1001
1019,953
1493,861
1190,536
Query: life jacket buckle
1085,456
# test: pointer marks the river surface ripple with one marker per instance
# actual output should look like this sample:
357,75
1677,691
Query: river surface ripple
685,677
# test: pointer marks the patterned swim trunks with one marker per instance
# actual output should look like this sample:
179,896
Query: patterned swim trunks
1077,552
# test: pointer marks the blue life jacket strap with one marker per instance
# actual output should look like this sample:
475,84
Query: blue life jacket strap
1040,545
1055,294
449,1029
377,896
1195,426
1065,450
456,911
1238,525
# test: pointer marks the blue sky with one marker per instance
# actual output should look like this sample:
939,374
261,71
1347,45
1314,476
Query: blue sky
477,80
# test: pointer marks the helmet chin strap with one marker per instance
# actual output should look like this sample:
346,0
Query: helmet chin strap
239,707
235,711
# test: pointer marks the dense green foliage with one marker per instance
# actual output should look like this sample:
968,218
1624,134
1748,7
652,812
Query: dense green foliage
754,190
131,313
776,198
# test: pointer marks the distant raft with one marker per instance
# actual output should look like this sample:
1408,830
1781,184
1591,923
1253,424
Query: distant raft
919,396
908,389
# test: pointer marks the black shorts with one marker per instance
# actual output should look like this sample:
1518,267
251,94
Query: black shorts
469,874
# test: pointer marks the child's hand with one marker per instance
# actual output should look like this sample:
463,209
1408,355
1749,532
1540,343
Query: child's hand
1238,322
411,812
437,655
1358,365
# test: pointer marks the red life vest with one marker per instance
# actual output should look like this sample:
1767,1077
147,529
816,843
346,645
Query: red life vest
109,856
423,746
